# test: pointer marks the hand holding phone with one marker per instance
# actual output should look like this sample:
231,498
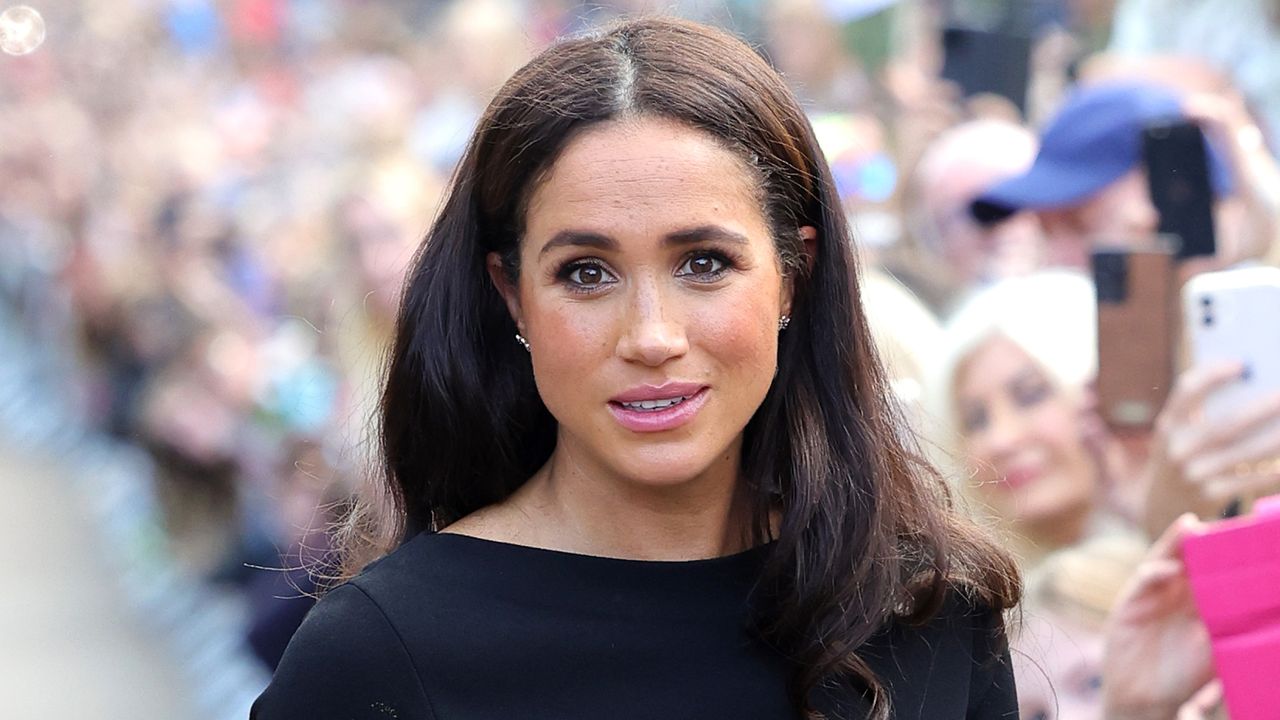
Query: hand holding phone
1178,178
1234,316
1218,436
1156,654
1234,568
1137,333
987,62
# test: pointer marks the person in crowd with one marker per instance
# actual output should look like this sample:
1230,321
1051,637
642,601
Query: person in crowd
1014,384
1059,647
1157,661
907,335
1240,37
1011,390
1043,326
1248,221
641,458
961,163
310,496
1088,184
1111,631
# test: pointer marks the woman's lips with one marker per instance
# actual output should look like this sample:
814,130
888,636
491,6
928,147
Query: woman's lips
659,419
1017,478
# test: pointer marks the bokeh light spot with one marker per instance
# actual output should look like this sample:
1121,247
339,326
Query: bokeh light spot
21,30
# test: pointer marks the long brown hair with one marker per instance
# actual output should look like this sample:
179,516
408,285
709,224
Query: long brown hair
868,531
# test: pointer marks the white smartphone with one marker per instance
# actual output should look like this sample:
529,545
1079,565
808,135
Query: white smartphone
1235,315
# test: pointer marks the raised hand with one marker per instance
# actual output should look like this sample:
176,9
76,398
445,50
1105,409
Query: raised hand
1157,653
1200,466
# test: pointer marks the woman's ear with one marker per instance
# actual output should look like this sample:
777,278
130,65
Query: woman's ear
809,237
809,241
510,294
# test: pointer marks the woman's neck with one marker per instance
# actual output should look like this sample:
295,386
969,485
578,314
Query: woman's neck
575,504
1043,538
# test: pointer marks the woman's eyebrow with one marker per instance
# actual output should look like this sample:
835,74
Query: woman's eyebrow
705,232
578,238
585,238
1027,376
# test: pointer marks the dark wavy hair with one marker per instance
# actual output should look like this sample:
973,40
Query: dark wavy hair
868,531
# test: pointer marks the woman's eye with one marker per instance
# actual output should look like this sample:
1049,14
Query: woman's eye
703,266
588,275
973,420
1030,395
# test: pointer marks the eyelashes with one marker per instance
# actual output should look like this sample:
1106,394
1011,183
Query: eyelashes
591,275
704,266
585,275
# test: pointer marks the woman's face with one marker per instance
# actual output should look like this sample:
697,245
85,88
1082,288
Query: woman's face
650,293
1024,438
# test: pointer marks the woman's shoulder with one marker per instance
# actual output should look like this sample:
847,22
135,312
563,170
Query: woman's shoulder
414,562
358,652
961,624
347,660
957,658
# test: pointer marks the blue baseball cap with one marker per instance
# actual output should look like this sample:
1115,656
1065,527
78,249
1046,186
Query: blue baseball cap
1095,139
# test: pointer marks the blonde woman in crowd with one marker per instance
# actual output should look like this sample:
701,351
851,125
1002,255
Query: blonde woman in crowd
1012,396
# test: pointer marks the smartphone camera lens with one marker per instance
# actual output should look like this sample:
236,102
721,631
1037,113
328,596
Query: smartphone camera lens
1111,276
1206,301
1208,320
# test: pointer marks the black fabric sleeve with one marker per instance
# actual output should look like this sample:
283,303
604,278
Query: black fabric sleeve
993,694
346,662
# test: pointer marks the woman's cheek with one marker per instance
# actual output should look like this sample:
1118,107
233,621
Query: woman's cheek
740,327
983,477
979,460
1058,425
570,343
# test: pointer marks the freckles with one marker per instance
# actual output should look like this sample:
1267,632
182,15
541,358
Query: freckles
578,329
735,333
566,351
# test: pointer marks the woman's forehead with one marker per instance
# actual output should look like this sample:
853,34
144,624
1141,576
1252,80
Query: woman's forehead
994,362
643,171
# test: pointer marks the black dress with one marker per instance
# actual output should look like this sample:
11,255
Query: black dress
450,627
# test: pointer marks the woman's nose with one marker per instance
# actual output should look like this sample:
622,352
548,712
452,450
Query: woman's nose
653,334
1004,435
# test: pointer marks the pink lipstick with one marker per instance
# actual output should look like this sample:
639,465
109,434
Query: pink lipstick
1020,477
656,408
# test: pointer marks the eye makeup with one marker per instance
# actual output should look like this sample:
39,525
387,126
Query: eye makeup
585,276
589,275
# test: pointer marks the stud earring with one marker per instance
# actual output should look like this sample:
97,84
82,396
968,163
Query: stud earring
520,339
783,322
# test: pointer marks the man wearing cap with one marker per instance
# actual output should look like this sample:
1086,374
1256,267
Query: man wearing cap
958,165
1088,182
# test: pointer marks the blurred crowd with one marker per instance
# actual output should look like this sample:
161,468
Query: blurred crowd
206,208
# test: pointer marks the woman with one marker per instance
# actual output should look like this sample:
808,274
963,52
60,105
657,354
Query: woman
639,456
1013,390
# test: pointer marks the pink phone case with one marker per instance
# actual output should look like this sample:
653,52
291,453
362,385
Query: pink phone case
1234,568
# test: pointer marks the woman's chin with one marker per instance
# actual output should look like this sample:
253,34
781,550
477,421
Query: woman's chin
1055,518
665,469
